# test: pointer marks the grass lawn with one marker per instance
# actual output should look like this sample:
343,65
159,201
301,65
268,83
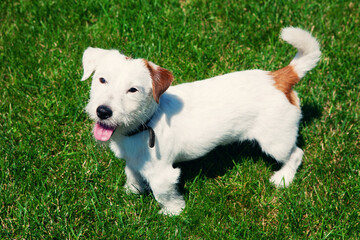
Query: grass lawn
56,182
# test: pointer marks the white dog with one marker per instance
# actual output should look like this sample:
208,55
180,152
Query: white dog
152,129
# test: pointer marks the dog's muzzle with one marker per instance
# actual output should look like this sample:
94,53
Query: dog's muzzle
103,132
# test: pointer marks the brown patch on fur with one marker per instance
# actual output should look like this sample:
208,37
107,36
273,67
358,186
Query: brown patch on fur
285,78
161,79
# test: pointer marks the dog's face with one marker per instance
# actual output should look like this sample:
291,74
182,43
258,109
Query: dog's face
124,91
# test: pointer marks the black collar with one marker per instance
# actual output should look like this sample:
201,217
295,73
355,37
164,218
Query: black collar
144,127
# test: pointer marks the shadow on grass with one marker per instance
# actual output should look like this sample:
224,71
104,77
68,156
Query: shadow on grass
310,112
221,159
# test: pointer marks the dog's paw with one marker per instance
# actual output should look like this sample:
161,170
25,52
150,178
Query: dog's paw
282,178
173,208
170,212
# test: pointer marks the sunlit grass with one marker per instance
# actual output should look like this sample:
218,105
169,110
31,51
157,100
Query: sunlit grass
56,182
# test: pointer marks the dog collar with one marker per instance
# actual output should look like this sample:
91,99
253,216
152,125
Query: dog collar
144,127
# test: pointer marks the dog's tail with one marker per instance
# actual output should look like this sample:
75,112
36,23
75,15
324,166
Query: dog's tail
306,58
308,49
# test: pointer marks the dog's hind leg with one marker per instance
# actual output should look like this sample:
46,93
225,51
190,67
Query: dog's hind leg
286,174
283,150
277,137
163,183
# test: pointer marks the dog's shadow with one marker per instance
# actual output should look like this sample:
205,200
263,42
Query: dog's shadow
221,159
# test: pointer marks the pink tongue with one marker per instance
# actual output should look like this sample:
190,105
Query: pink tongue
102,133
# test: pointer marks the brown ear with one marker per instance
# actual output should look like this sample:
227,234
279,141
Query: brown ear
161,79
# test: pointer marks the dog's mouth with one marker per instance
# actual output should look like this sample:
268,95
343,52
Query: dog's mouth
103,132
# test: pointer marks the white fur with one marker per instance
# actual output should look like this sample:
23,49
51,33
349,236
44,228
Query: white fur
308,49
193,118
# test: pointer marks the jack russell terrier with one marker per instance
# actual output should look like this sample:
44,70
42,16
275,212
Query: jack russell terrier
153,125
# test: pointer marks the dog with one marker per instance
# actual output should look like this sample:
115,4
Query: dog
153,125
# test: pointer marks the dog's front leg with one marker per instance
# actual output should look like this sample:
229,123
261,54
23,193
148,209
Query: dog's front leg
163,183
134,181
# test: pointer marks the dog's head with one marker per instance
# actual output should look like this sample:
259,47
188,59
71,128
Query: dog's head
124,91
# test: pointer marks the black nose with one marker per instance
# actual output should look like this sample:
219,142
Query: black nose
104,112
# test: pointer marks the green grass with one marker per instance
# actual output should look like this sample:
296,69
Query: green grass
57,183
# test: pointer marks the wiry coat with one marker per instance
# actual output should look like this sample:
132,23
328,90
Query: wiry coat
191,119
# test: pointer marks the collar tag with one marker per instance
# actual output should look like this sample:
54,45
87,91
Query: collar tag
151,137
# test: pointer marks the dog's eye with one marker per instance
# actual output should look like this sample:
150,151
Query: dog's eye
132,90
102,80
